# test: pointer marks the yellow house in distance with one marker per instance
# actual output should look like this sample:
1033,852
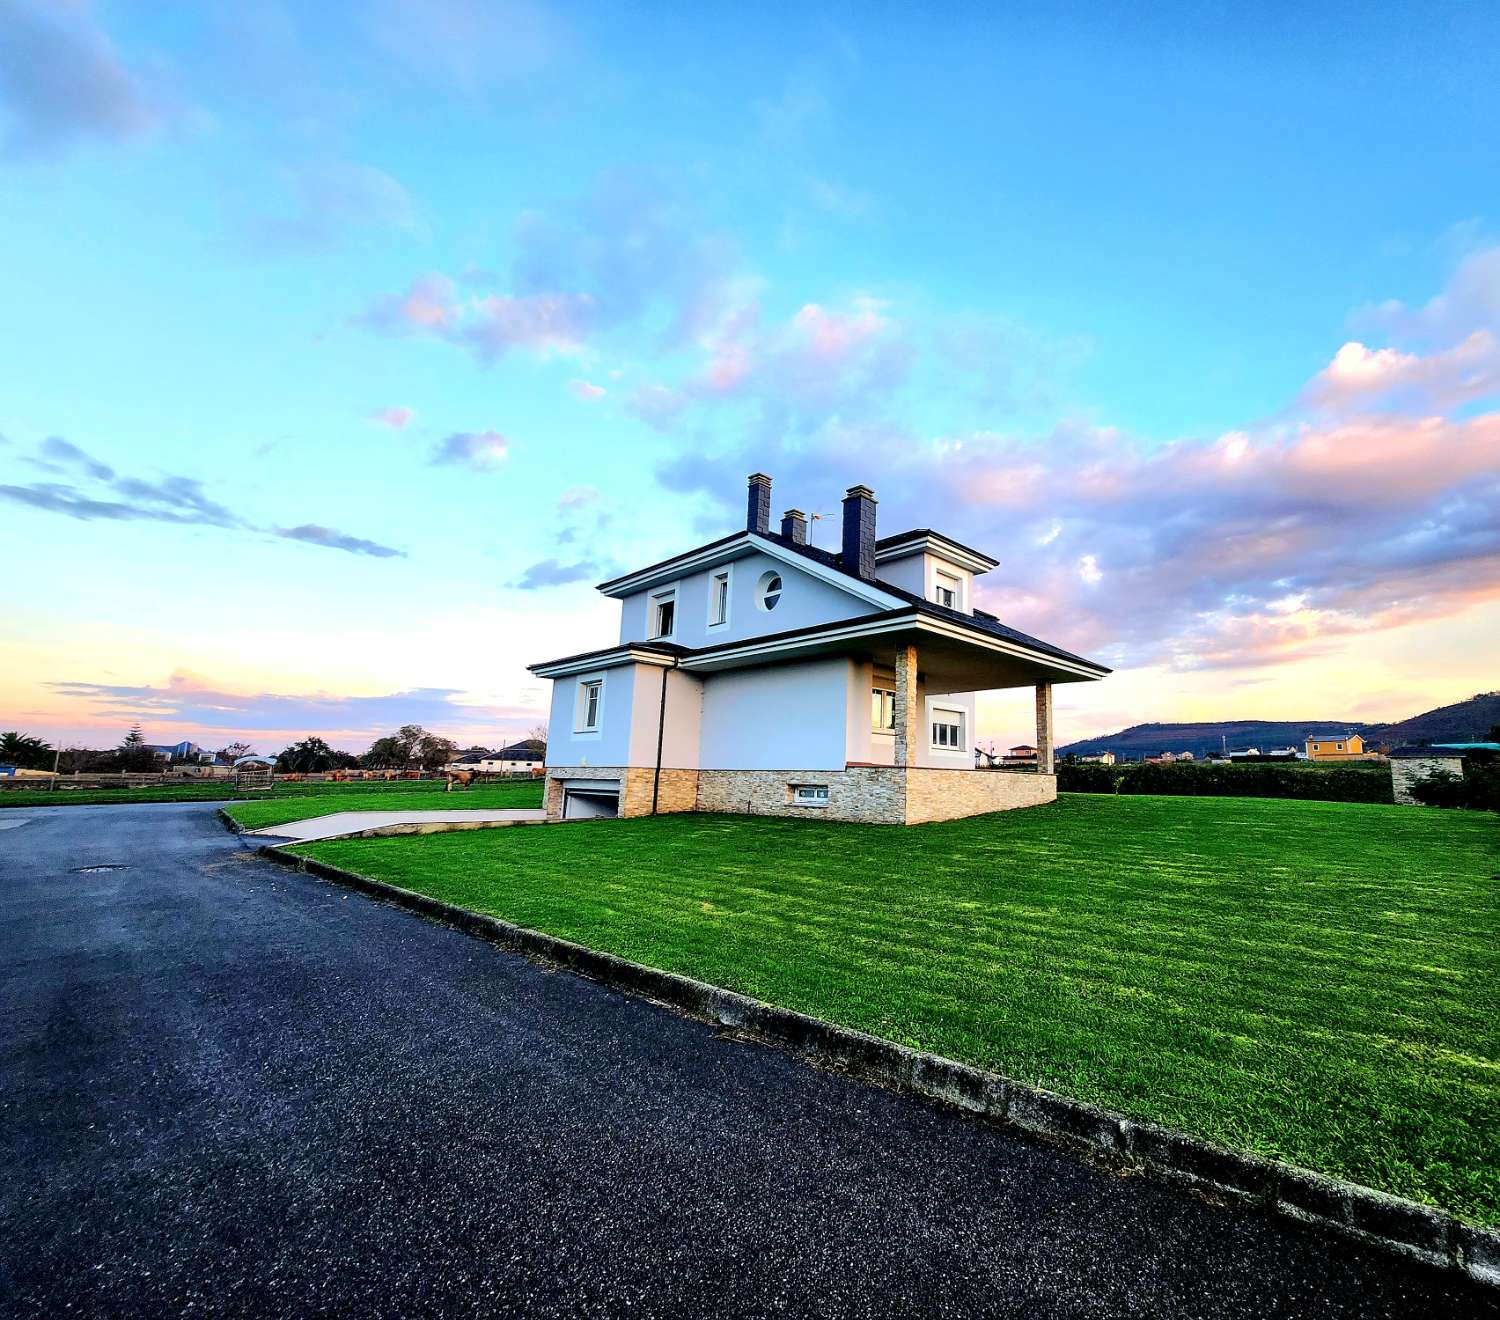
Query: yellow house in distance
1337,747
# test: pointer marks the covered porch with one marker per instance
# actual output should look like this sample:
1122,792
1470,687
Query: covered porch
908,661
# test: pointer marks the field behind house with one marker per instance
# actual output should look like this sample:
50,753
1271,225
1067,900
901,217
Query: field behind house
1316,982
295,801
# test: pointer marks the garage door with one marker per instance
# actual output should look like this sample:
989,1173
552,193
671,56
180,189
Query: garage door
589,801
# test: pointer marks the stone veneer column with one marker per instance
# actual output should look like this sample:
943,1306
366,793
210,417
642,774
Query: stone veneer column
907,715
1045,765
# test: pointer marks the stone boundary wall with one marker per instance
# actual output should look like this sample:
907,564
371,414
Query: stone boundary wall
871,795
1391,1223
1405,769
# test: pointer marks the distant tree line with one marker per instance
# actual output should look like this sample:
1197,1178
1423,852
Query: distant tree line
411,747
132,755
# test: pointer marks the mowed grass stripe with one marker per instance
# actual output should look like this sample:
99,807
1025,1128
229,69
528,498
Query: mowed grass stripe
1313,981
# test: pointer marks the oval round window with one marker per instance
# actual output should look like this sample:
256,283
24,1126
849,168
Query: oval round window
768,593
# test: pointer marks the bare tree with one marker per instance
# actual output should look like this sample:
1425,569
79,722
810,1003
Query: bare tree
234,751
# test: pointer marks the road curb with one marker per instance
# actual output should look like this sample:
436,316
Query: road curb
1363,1214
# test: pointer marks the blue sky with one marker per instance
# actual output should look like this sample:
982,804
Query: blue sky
450,309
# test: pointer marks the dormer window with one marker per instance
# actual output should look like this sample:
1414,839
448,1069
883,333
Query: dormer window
946,590
663,613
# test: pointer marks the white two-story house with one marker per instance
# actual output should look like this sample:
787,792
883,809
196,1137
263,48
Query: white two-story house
762,674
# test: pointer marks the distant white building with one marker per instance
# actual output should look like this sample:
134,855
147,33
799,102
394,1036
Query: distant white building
1098,758
527,757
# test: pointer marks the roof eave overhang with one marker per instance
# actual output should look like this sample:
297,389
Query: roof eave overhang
860,633
611,659
939,546
737,548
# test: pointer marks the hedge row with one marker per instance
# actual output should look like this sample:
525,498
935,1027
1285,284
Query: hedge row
1343,783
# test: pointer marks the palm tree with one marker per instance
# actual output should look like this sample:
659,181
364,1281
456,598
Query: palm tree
25,752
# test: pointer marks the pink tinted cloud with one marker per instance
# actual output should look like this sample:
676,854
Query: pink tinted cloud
821,360
428,307
586,390
1363,378
545,324
397,418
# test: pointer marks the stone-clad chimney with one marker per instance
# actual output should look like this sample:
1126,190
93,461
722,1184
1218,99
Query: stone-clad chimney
758,512
794,526
858,555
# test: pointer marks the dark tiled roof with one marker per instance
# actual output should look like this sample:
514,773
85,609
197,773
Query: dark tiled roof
980,619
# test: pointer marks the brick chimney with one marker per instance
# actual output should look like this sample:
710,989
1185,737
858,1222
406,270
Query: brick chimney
858,555
758,511
794,526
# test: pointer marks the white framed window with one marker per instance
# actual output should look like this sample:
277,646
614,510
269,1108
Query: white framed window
810,795
947,730
718,598
663,613
883,710
590,705
768,591
947,590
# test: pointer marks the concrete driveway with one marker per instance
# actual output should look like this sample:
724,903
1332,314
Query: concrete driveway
228,1088
341,824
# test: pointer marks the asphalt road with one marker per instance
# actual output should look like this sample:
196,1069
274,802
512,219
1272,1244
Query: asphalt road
229,1089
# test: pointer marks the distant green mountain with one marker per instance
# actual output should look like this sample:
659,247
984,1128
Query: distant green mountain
1466,721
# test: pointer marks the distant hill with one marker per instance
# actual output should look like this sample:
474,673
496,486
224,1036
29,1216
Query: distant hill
1466,721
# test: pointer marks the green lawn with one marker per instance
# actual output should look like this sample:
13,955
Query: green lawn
1313,981
394,797
373,795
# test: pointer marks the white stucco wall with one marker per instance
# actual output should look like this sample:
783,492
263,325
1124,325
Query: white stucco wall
805,600
684,714
786,717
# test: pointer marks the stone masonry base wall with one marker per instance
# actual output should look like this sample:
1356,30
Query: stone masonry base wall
876,795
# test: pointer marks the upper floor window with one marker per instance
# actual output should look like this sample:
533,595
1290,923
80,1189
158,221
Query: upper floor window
947,730
946,590
768,593
663,613
590,698
883,710
718,599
